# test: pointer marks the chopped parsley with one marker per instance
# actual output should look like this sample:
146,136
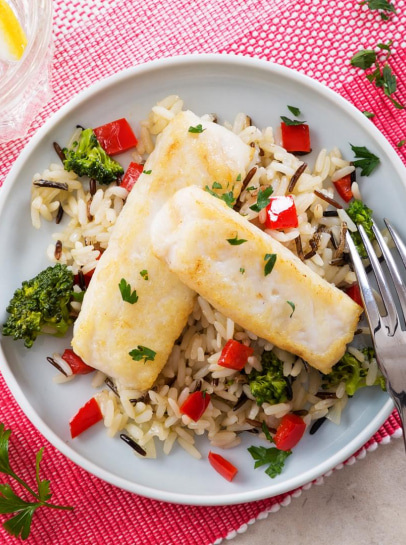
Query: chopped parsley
142,353
216,185
365,160
144,274
295,111
369,115
292,306
126,294
228,197
238,179
270,263
401,143
146,171
272,456
196,130
236,241
242,270
262,199
290,122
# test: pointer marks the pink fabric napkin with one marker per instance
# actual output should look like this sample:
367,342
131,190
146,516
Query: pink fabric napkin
97,38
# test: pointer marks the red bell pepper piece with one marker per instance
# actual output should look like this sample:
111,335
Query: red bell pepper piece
87,416
235,355
131,175
195,405
289,432
343,187
296,138
281,213
222,466
116,137
355,293
78,366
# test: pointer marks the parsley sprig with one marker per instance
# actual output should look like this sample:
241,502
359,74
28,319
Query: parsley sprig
365,159
236,241
384,7
126,293
262,199
227,197
142,353
10,503
272,456
382,75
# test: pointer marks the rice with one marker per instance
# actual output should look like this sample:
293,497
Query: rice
89,218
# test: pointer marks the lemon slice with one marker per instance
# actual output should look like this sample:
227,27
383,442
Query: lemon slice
12,37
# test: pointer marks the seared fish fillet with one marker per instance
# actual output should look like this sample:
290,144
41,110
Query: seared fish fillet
291,306
109,328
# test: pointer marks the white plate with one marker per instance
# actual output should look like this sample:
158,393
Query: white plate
225,85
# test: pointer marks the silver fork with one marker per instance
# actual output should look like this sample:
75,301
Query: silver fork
388,337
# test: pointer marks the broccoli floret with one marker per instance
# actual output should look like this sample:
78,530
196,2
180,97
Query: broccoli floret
269,385
350,371
361,215
88,158
41,306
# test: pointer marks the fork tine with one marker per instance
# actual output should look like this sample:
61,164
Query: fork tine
391,319
372,311
393,269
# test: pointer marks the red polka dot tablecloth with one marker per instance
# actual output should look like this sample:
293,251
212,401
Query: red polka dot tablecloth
97,38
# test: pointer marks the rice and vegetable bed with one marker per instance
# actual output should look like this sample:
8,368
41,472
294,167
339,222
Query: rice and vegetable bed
220,379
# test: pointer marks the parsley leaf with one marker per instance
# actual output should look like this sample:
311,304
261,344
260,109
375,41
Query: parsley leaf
196,130
383,5
144,274
126,294
288,121
20,524
292,306
366,160
146,171
142,353
369,115
272,456
216,185
363,59
262,199
242,270
295,111
401,143
228,197
270,263
236,241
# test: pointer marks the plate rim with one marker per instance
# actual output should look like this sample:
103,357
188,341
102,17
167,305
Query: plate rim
66,449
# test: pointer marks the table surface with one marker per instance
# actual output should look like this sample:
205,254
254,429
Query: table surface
368,497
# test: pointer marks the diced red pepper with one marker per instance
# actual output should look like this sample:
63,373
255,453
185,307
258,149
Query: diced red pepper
116,137
235,355
222,466
281,213
87,416
296,138
195,405
343,187
78,366
355,293
289,432
131,175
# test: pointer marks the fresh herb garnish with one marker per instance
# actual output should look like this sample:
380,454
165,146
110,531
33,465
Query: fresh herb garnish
382,75
272,456
146,171
401,143
236,241
251,188
78,296
142,353
242,270
366,160
292,306
216,185
196,130
385,8
144,274
295,111
270,263
228,197
369,115
289,122
20,524
238,179
126,294
262,199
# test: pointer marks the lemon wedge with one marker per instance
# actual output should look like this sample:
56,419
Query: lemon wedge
12,36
